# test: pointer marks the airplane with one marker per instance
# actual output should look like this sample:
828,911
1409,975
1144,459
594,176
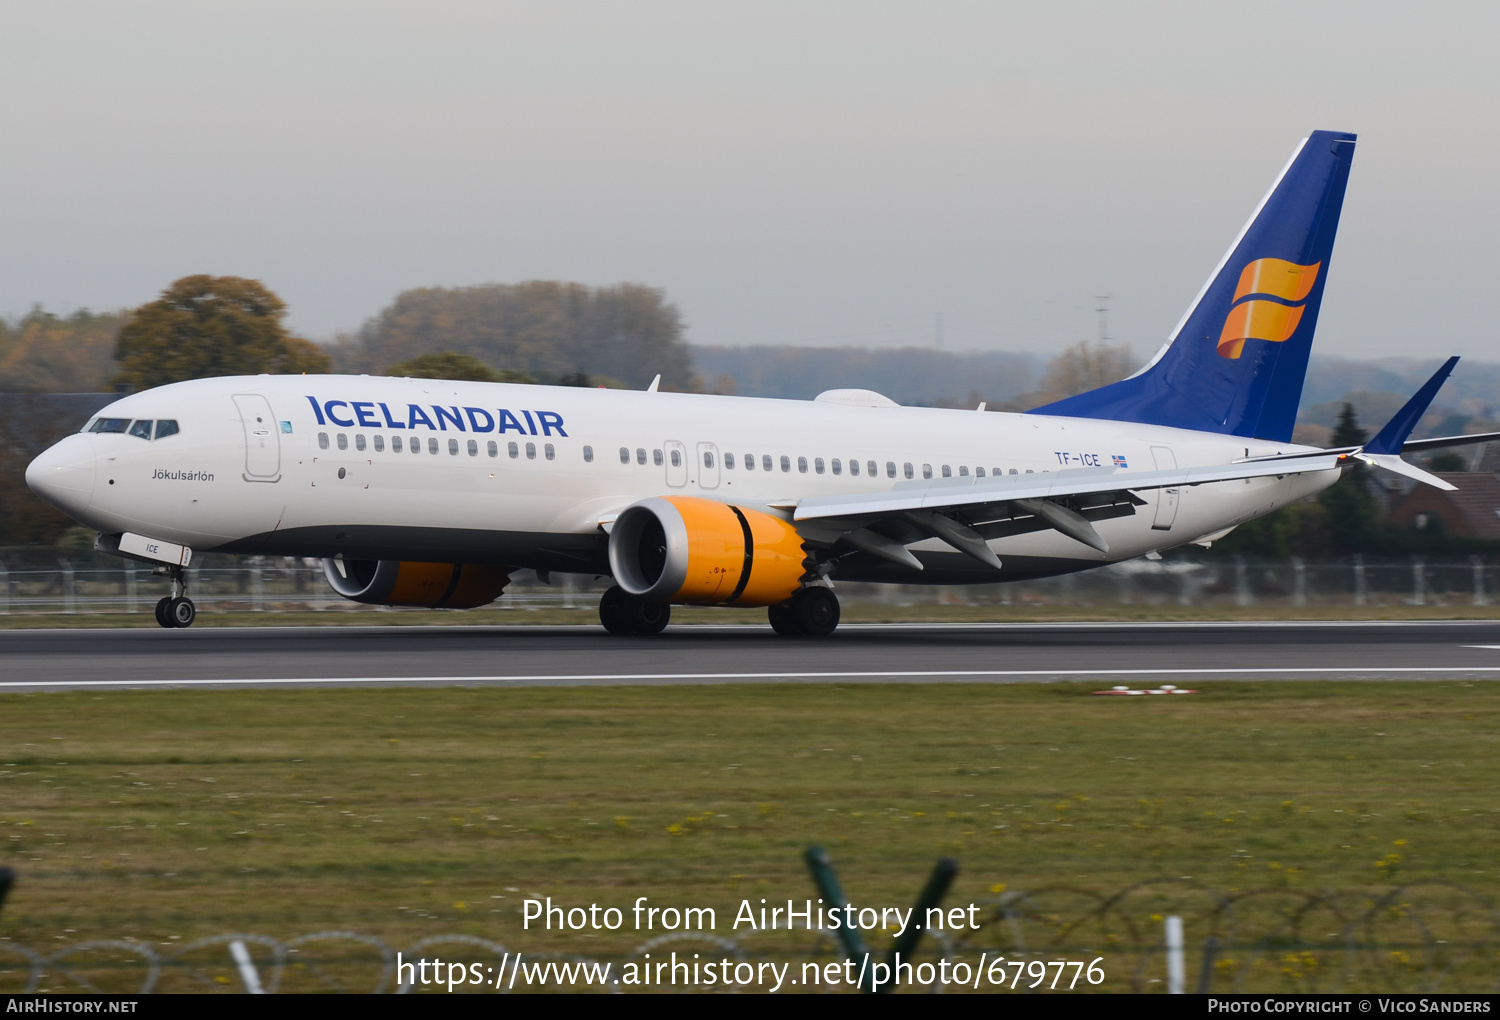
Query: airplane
426,492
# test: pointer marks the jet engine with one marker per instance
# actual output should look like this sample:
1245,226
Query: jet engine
684,549
404,583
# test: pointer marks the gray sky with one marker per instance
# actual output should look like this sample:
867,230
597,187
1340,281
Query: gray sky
818,173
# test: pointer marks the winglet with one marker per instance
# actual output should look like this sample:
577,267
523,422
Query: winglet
1390,438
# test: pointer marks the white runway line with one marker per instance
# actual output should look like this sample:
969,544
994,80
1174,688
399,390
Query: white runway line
625,678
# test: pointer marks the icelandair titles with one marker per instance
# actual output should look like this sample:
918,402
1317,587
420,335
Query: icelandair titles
362,414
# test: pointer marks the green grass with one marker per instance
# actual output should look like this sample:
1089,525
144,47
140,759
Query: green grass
167,815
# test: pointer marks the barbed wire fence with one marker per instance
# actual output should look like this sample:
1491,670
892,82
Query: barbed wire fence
1427,937
69,581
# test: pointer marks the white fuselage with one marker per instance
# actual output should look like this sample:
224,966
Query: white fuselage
580,456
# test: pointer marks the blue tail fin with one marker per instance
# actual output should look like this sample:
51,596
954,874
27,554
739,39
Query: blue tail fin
1236,362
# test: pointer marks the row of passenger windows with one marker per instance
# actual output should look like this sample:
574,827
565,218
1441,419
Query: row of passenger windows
434,446
657,457
141,428
819,466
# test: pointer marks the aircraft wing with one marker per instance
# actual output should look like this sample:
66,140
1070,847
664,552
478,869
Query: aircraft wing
963,493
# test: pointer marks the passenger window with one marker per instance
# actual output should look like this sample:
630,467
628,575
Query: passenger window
979,472
838,466
818,465
322,440
396,445
963,471
947,471
141,429
343,441
453,447
492,448
531,451
1012,470
729,461
640,455
906,469
708,458
872,468
588,454
786,463
473,448
765,462
854,468
1030,472
359,442
549,452
890,469
624,455
802,464
676,458
380,444
513,450
926,470
749,462
656,457
111,425
166,427
432,444
416,445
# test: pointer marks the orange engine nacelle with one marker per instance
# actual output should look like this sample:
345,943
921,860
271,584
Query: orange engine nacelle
697,551
403,583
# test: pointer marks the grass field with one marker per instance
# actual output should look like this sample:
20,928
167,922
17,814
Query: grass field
166,815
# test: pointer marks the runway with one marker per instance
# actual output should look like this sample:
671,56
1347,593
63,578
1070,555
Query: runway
1135,654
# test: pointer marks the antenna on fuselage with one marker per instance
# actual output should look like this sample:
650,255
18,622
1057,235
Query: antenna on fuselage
654,383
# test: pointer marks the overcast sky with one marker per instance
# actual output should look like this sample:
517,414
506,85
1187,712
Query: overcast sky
811,173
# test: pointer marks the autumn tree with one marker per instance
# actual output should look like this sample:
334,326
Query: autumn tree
448,365
205,326
546,329
47,353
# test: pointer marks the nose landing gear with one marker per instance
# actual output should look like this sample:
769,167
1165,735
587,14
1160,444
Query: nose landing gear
176,609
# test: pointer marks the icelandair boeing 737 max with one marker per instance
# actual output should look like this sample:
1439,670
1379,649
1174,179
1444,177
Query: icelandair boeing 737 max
429,493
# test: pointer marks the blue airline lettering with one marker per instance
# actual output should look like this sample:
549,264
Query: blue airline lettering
364,413
478,419
329,408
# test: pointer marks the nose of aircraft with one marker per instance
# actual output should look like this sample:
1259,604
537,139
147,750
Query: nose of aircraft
64,475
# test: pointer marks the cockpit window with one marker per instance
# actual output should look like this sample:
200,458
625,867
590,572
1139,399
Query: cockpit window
141,428
166,427
110,425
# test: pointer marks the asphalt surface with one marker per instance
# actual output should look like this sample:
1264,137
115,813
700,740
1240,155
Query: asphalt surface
1138,655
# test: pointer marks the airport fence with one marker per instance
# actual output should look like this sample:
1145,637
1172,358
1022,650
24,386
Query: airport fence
36,580
1423,937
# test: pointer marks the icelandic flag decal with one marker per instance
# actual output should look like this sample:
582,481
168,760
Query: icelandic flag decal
1119,461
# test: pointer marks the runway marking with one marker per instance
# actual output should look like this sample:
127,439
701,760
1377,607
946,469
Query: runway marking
637,677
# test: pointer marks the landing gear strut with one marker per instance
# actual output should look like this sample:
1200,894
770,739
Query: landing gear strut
812,612
176,609
622,613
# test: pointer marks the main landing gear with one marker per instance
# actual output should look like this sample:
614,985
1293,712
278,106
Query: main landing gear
812,612
623,613
176,609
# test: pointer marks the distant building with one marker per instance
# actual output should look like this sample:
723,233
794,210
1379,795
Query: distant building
1473,511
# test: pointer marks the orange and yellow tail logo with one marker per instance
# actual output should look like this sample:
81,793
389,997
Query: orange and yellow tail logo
1252,317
